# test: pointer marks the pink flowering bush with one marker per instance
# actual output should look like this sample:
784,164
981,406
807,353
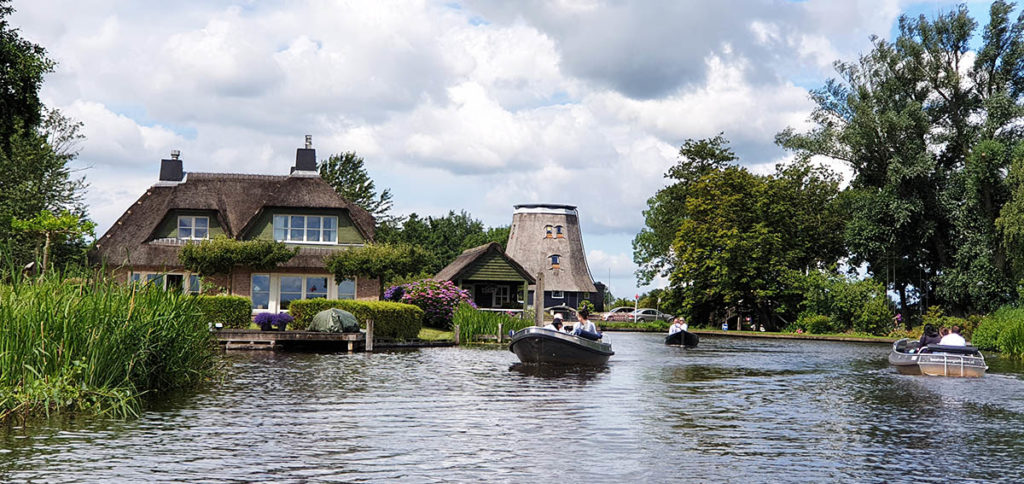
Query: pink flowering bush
438,300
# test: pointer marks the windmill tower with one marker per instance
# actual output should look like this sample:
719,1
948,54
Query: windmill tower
546,239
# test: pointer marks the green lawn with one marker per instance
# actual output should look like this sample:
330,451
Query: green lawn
431,334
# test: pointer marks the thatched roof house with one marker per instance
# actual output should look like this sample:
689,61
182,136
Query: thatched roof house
546,238
493,278
299,209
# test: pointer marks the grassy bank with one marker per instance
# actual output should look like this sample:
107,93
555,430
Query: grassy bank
473,322
89,345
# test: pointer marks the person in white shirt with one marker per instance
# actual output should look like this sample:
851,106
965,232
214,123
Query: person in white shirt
584,324
953,338
678,324
556,324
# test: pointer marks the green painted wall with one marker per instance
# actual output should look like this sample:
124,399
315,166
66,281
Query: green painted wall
263,228
168,227
491,267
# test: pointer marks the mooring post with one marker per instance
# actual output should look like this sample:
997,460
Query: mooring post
501,334
369,335
456,335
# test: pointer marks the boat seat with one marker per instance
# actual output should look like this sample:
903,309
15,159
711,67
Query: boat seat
956,350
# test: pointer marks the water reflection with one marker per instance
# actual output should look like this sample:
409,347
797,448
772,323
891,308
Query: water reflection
729,410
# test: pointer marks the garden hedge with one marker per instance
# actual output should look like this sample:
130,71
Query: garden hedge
231,311
391,320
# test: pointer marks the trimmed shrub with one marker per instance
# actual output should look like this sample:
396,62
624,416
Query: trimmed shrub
815,323
391,320
231,311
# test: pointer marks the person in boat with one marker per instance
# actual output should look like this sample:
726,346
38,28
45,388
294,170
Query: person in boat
585,327
929,337
556,324
678,325
953,338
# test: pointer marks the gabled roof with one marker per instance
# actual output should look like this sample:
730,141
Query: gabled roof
238,199
465,260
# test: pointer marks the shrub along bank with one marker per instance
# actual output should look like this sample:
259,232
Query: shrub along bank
391,320
231,311
1002,330
75,344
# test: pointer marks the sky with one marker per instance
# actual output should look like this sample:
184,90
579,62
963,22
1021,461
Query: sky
469,106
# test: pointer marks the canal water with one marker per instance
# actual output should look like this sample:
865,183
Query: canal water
731,410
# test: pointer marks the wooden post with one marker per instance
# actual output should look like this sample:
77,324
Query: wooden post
501,333
369,336
456,328
538,301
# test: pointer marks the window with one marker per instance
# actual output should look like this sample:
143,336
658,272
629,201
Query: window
193,228
291,289
316,287
554,260
501,296
318,229
547,231
558,232
347,289
187,283
261,291
557,295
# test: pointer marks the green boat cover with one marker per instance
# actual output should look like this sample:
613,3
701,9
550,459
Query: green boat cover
334,321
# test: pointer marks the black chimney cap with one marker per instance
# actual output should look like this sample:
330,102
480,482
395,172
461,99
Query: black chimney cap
171,170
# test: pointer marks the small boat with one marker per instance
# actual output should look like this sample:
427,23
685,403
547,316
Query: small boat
543,345
936,360
684,338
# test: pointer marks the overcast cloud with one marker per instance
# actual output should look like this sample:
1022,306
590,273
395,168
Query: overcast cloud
475,105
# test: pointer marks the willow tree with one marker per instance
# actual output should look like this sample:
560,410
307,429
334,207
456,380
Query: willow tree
928,130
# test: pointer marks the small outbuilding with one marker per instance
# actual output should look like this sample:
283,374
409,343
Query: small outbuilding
495,280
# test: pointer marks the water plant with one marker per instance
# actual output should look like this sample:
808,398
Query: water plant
473,322
89,344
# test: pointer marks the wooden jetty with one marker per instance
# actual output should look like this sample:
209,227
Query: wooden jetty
253,339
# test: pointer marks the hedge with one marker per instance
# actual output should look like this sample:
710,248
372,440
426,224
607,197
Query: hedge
391,320
231,311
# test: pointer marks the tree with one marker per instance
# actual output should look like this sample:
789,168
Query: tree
382,261
927,134
222,255
54,229
444,238
667,208
345,172
22,65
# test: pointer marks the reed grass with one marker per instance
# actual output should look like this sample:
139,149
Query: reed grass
87,344
473,322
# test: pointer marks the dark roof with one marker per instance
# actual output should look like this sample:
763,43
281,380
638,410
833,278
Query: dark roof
238,199
544,205
466,259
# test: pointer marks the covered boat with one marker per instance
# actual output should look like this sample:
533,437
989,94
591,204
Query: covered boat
936,360
543,345
684,338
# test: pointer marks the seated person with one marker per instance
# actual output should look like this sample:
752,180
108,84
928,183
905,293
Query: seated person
585,328
677,326
953,338
556,324
929,337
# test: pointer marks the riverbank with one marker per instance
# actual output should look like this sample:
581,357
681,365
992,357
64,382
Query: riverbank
820,337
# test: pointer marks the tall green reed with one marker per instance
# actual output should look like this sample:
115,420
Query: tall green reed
473,322
81,342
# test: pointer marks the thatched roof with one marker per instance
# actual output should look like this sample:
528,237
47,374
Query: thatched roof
238,200
528,244
465,260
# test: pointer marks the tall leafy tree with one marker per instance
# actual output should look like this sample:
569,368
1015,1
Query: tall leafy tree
346,173
927,133
22,66
443,238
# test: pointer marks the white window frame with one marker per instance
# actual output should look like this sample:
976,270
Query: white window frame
305,228
192,219
274,298
145,277
557,294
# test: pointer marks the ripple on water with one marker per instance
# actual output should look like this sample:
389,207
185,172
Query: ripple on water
731,409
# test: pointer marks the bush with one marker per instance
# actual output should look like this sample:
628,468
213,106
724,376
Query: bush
437,299
391,320
1011,339
860,305
815,323
231,311
937,318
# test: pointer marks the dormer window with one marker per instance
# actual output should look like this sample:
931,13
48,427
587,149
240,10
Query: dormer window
554,260
558,232
193,228
548,232
314,229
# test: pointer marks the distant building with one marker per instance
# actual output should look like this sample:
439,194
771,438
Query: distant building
546,239
299,209
493,279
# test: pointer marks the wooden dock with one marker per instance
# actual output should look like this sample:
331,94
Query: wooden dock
250,339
